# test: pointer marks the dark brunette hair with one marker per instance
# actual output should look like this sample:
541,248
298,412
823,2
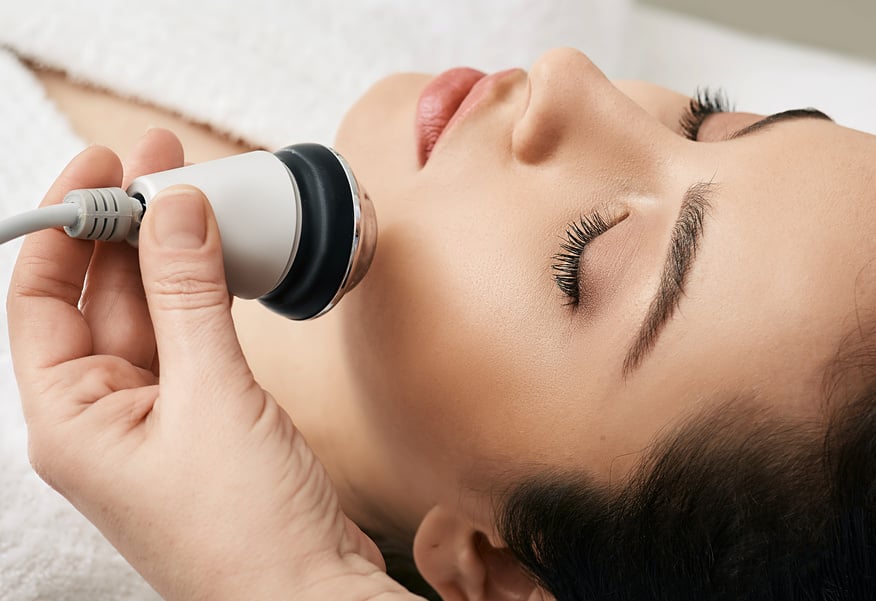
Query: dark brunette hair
739,504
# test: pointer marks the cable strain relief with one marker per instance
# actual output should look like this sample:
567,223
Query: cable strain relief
107,214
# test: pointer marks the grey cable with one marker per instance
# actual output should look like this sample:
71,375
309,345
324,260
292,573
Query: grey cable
90,214
38,219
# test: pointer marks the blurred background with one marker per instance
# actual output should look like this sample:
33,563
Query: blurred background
844,26
769,55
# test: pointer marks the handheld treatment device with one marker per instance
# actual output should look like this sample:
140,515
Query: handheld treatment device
297,230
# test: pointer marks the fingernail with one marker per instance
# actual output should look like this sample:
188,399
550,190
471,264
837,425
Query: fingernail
180,221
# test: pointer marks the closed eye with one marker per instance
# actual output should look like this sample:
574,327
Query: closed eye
704,103
708,102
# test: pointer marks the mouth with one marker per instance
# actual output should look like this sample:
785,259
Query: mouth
445,101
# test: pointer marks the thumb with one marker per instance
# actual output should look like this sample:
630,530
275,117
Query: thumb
184,280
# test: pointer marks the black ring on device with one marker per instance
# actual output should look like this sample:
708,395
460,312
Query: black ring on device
327,230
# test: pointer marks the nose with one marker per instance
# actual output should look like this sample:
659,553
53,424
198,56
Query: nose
574,108
664,105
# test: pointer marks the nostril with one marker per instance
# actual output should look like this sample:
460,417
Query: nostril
569,99
540,130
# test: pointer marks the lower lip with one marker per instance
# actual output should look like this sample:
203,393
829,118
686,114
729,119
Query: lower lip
446,101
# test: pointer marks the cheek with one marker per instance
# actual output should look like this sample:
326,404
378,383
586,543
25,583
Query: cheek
450,334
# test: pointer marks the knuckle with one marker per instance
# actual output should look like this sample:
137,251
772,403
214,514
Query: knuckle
187,287
31,281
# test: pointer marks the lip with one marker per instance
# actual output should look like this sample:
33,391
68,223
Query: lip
446,101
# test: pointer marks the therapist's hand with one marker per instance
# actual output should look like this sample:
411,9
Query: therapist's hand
196,475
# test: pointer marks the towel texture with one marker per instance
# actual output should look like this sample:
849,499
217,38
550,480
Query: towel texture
47,550
274,71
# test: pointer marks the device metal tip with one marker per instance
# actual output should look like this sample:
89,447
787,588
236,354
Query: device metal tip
367,241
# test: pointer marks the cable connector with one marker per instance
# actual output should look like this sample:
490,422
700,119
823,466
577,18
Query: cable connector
107,214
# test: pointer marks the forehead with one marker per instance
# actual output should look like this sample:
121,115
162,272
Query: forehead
778,282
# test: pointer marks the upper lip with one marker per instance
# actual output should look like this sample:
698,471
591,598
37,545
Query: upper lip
437,104
446,100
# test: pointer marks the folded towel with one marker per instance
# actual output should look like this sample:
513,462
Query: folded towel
276,72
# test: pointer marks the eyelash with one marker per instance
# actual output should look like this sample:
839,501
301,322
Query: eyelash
705,102
567,263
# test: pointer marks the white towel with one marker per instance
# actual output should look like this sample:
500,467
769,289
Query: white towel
276,71
47,550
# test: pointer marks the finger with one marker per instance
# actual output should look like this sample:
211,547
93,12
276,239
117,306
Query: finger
157,150
45,325
184,279
113,302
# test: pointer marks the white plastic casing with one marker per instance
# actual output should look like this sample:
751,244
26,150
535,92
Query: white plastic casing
258,209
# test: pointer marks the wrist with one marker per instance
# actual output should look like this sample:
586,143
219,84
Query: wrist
315,578
352,577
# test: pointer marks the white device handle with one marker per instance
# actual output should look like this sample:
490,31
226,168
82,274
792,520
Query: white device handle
298,232
258,209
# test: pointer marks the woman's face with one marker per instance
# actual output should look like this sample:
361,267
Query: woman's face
466,365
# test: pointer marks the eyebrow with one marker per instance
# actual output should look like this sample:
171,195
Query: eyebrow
684,242
686,235
807,113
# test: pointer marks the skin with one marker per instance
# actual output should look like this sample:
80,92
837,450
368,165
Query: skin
464,367
456,367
